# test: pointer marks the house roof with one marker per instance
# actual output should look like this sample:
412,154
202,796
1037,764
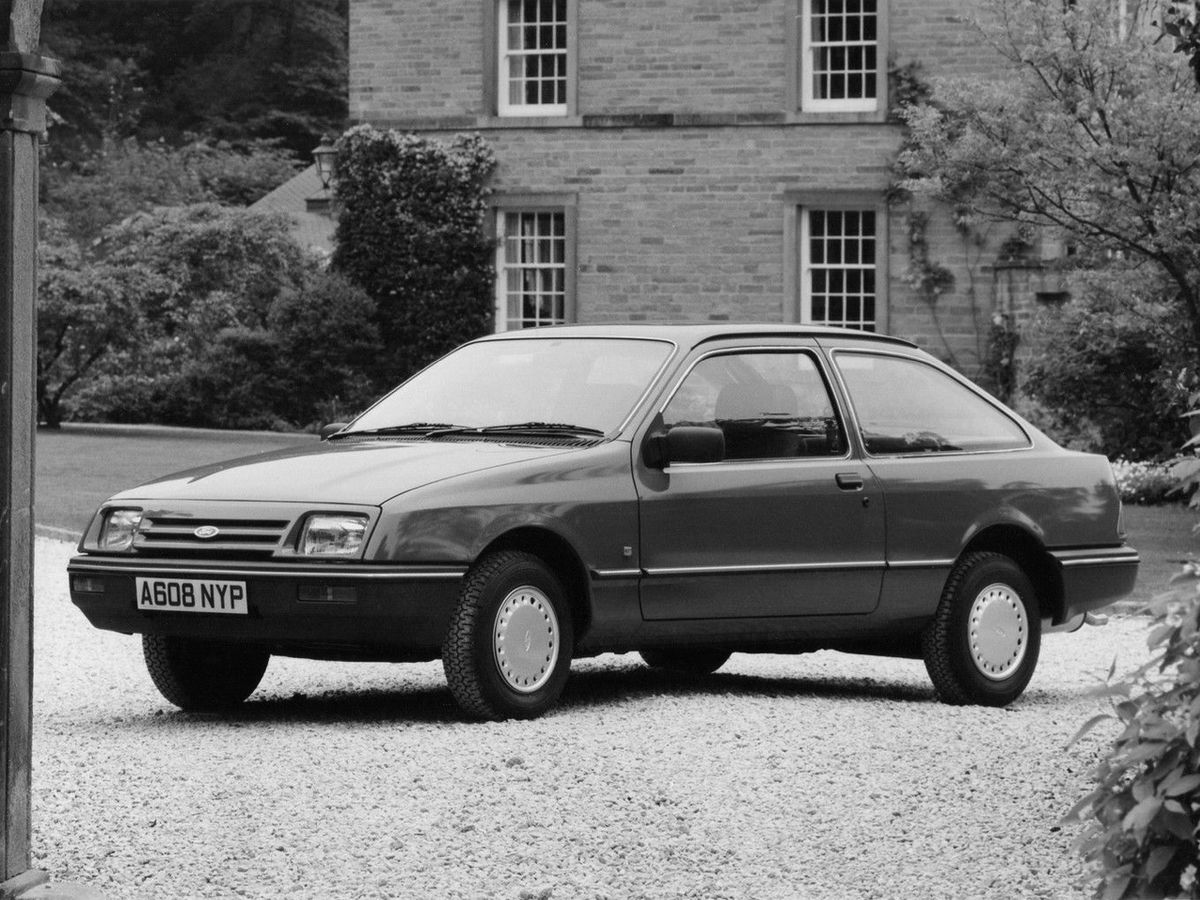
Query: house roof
312,230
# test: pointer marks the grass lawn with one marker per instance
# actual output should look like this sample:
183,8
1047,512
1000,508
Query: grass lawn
1163,536
80,466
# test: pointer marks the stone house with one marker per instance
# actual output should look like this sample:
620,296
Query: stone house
702,160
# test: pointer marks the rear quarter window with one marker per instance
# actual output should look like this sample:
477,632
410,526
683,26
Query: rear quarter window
905,406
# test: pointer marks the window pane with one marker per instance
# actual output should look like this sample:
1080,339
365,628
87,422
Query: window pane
533,269
769,405
534,55
909,406
841,54
840,268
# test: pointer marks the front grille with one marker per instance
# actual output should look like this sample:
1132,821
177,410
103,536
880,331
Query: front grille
244,538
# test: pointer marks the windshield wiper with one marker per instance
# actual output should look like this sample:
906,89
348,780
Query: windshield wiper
428,429
519,428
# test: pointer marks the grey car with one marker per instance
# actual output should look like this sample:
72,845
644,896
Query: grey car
686,492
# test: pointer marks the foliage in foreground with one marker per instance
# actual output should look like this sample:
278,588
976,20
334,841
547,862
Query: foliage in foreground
411,232
1142,817
1144,811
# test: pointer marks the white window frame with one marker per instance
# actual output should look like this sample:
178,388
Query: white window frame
807,53
503,322
807,268
504,106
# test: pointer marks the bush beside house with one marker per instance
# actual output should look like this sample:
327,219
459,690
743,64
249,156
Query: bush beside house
411,232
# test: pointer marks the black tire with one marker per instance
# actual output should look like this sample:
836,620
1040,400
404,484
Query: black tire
982,646
203,676
693,662
508,668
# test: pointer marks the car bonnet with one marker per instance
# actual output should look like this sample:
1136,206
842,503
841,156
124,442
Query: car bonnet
368,472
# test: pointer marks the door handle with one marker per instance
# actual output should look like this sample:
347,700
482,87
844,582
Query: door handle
849,481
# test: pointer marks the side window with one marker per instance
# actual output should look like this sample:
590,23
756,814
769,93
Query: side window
908,406
770,405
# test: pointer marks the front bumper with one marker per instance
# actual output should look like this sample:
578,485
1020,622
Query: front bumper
317,610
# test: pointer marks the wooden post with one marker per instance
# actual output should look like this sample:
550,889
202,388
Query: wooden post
26,80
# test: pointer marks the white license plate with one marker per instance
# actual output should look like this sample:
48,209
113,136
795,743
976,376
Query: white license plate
191,595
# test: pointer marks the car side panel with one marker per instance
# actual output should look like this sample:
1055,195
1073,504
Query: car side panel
937,503
585,497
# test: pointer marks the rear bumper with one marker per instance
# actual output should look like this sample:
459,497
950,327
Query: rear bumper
355,611
1096,577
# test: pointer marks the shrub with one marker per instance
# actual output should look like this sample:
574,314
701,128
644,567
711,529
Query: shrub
327,339
1113,364
88,314
1144,811
126,177
1142,818
246,331
411,233
1146,482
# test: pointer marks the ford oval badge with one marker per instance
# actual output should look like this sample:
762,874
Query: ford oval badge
204,532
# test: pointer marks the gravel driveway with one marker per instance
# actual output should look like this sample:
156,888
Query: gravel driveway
818,776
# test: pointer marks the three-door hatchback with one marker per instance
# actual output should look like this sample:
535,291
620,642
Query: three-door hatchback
683,491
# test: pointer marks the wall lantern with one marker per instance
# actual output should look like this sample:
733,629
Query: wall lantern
325,157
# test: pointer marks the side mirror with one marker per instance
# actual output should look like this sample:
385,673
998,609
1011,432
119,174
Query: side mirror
332,428
685,444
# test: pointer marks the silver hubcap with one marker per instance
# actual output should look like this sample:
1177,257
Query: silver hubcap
999,631
525,639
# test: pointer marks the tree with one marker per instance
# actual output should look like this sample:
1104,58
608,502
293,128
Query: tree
204,316
1094,130
233,70
125,177
411,233
1109,366
86,314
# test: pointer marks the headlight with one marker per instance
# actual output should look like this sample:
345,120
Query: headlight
327,534
120,526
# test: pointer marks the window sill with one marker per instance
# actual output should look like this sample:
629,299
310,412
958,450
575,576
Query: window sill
834,117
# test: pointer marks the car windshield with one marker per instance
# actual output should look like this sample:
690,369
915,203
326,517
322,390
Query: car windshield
527,384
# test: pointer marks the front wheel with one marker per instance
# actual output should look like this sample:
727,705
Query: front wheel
508,650
203,676
982,646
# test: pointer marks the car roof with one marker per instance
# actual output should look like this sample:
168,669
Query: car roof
693,334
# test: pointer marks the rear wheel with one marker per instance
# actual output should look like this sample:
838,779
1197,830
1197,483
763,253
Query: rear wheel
508,650
203,676
982,645
694,662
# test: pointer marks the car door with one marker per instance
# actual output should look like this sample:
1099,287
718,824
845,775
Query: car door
786,523
951,460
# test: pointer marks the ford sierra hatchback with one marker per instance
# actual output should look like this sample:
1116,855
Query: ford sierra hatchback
686,492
